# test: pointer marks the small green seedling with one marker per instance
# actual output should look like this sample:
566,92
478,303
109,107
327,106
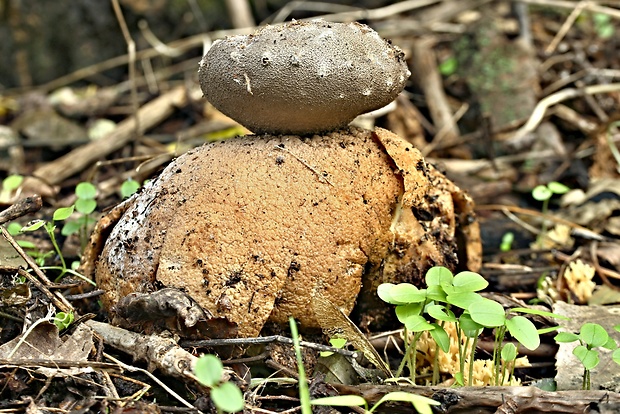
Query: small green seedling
490,314
603,25
129,188
508,358
18,279
591,336
9,185
85,205
544,193
336,343
63,320
60,214
448,67
226,396
445,292
507,239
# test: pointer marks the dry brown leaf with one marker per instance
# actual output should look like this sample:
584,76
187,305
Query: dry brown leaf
335,322
609,252
43,343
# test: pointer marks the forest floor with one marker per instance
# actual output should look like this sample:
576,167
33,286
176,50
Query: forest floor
516,102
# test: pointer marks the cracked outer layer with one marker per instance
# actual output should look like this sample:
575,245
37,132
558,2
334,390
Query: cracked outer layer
252,228
302,77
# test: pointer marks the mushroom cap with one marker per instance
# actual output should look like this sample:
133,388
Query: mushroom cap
302,77
252,229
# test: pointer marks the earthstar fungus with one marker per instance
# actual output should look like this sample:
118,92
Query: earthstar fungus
253,227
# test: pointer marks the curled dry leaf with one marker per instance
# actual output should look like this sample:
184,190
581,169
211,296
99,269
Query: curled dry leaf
43,343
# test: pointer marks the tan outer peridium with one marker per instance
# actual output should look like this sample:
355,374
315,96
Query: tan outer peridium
250,228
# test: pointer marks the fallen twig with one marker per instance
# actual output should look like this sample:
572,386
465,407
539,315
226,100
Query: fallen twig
265,340
565,4
432,85
541,108
150,115
21,208
157,380
501,400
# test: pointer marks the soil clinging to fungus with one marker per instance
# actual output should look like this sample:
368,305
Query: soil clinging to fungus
302,77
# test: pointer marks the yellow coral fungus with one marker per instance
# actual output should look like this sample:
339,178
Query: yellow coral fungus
578,278
449,363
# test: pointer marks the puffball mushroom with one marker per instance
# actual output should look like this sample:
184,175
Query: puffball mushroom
252,228
302,77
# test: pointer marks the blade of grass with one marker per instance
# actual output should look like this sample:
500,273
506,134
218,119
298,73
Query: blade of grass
304,392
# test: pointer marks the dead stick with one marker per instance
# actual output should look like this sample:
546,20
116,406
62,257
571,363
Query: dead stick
494,399
536,213
36,363
21,208
42,282
75,161
157,351
432,85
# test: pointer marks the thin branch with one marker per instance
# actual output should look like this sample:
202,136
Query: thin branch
207,343
541,108
159,382
378,13
572,17
240,13
565,4
21,208
131,52
76,160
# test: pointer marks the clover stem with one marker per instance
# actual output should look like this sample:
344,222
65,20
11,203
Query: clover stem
543,230
414,356
461,350
471,361
49,227
435,379
511,371
84,233
586,380
500,333
411,347
403,361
